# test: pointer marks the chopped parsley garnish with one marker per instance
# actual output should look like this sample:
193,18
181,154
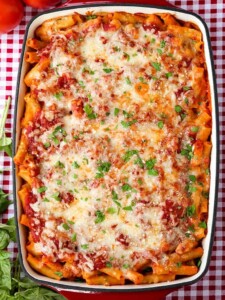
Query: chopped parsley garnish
160,51
111,210
114,195
126,187
107,70
66,226
186,88
81,83
42,189
150,167
162,44
142,79
128,154
178,108
139,161
150,163
59,164
128,123
169,74
108,264
191,228
104,166
190,211
140,181
128,80
153,172
187,152
46,199
116,48
116,111
202,225
100,217
179,264
128,208
84,246
56,196
126,266
156,65
58,95
160,124
91,17
192,178
75,165
60,274
89,112
59,182
47,145
192,189
153,40
194,129
126,55
74,237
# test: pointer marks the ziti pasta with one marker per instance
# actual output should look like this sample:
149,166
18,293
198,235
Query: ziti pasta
115,148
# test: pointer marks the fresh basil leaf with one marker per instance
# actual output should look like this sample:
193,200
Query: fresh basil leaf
5,271
5,142
4,202
4,239
10,228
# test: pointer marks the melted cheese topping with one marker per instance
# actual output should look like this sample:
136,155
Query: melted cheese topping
111,161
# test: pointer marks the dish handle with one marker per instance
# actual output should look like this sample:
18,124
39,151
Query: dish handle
149,2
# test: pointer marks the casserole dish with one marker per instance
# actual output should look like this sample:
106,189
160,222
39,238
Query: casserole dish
207,243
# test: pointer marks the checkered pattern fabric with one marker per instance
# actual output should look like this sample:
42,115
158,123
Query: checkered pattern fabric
212,286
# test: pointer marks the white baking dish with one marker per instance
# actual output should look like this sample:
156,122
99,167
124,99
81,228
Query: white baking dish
21,90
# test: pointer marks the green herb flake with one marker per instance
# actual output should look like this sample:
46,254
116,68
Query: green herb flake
150,163
128,154
59,182
160,51
202,225
190,211
194,128
168,75
156,65
100,217
107,70
42,189
160,124
116,111
192,178
140,181
186,88
58,96
179,264
111,210
126,266
46,199
75,165
108,264
187,152
128,80
91,17
114,195
153,172
56,196
126,187
74,237
60,165
47,145
60,274
128,208
127,56
84,246
128,123
89,112
66,226
162,44
178,108
153,40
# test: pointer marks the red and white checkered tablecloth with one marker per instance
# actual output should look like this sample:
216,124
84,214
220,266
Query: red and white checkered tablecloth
212,286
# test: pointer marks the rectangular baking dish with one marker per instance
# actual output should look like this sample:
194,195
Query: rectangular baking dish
19,109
